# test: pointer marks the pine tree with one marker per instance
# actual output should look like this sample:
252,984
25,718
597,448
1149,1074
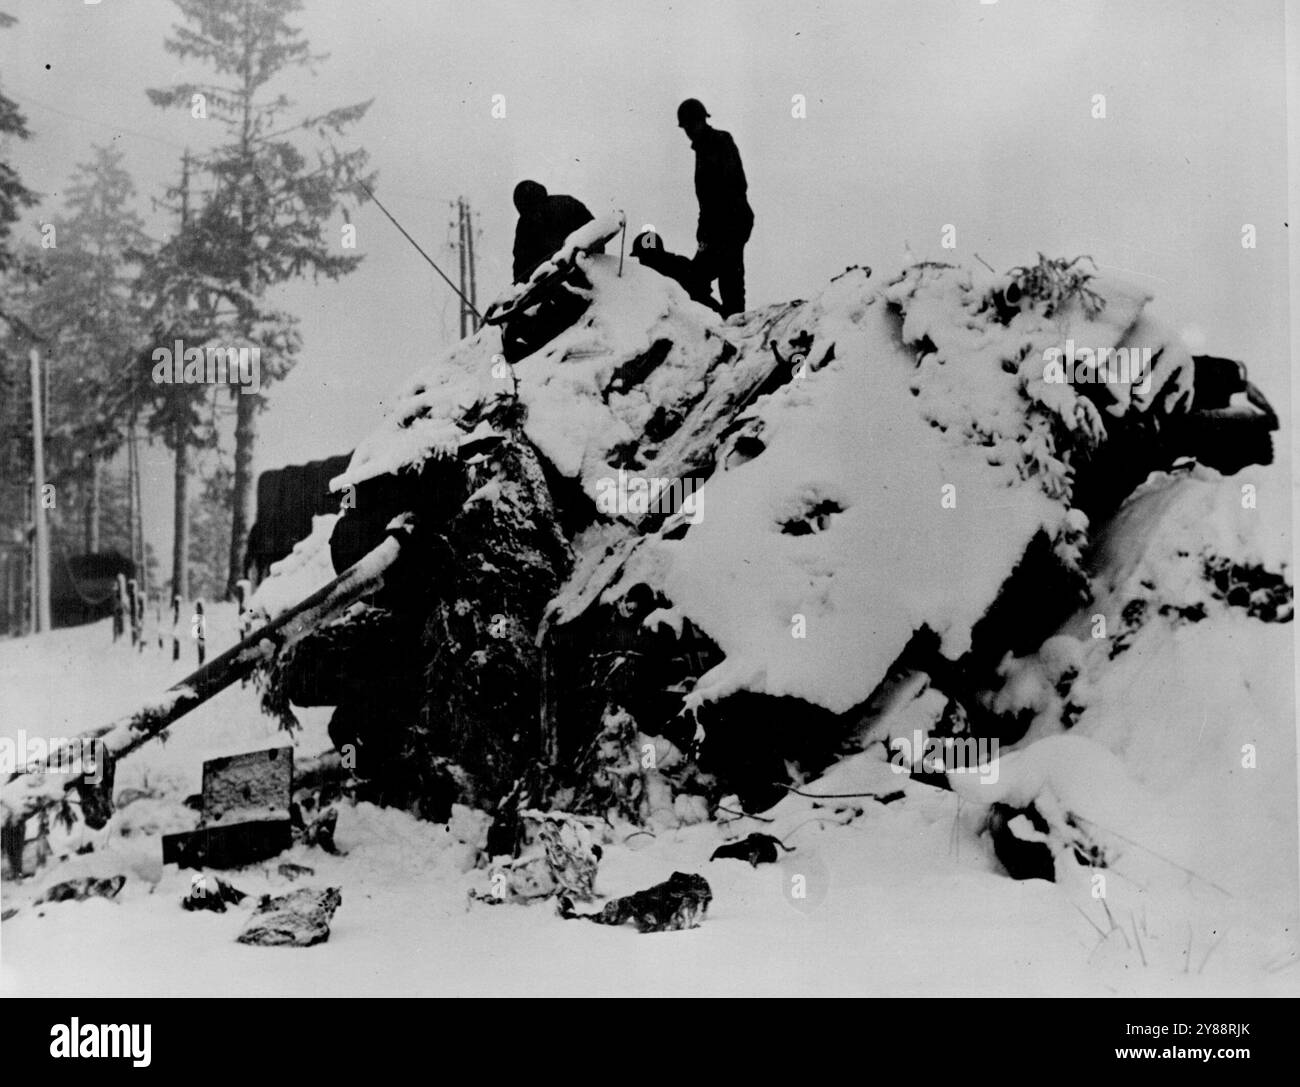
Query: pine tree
86,308
15,434
14,195
185,306
271,203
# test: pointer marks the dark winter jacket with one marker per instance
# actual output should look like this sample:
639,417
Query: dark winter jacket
543,230
648,250
720,188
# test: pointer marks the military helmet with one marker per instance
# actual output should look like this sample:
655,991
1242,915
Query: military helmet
691,111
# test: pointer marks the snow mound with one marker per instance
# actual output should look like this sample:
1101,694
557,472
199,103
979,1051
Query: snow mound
797,566
903,473
1174,668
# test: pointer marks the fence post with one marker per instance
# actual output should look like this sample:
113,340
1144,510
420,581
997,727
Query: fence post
119,608
200,634
132,591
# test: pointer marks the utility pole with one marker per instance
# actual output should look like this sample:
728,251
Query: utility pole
469,246
460,251
469,319
41,556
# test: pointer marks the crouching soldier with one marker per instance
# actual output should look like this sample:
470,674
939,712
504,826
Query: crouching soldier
545,221
649,250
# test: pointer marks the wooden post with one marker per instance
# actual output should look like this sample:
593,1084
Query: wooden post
41,557
119,608
176,627
243,590
133,610
200,634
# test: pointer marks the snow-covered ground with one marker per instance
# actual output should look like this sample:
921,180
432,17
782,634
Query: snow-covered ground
904,899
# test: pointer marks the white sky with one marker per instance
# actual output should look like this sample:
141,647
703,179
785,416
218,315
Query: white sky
920,113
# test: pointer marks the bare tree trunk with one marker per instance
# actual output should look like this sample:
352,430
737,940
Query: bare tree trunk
247,404
242,500
181,515
92,507
136,560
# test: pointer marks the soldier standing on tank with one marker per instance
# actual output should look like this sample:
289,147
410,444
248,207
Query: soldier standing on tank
726,219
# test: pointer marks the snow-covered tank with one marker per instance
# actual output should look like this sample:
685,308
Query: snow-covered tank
742,536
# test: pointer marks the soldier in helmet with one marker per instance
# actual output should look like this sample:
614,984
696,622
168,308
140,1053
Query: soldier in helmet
544,222
726,219
649,250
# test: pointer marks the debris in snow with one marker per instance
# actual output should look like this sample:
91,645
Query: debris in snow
1028,845
208,892
1055,283
247,812
522,879
756,849
78,890
129,796
571,852
678,903
1263,594
252,784
320,831
298,919
229,845
469,826
690,808
616,778
561,855
294,871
